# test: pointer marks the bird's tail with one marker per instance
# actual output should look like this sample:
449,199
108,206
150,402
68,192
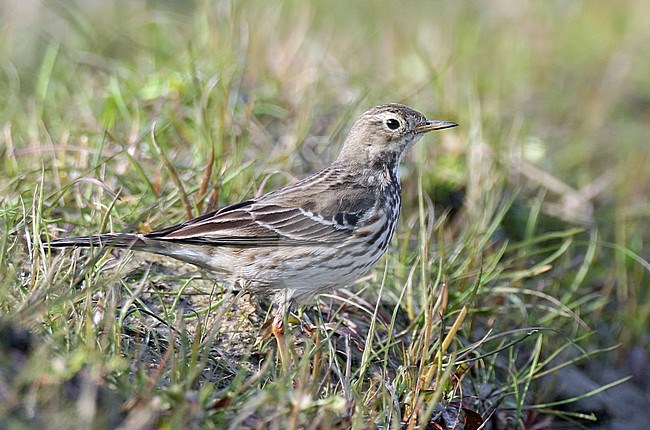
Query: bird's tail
139,242
117,240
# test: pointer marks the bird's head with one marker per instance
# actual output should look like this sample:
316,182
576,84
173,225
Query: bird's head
383,134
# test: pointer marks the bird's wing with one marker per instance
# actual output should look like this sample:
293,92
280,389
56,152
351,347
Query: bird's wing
278,219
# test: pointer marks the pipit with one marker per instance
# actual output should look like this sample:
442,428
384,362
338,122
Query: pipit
314,235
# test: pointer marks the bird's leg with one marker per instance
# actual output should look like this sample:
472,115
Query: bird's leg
277,328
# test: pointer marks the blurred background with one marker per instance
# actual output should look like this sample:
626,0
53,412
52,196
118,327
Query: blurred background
562,85
552,98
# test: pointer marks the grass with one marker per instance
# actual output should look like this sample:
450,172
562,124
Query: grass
520,251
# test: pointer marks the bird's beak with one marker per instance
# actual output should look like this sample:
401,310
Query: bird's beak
431,125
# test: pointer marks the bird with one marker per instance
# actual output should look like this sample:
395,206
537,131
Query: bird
317,234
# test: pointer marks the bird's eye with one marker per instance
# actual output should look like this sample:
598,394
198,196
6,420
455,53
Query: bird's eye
393,124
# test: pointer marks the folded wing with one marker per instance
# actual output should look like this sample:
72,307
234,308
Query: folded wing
259,223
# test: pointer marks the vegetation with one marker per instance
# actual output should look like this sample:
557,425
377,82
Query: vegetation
521,252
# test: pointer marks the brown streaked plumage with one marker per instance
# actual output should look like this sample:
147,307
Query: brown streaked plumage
322,232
